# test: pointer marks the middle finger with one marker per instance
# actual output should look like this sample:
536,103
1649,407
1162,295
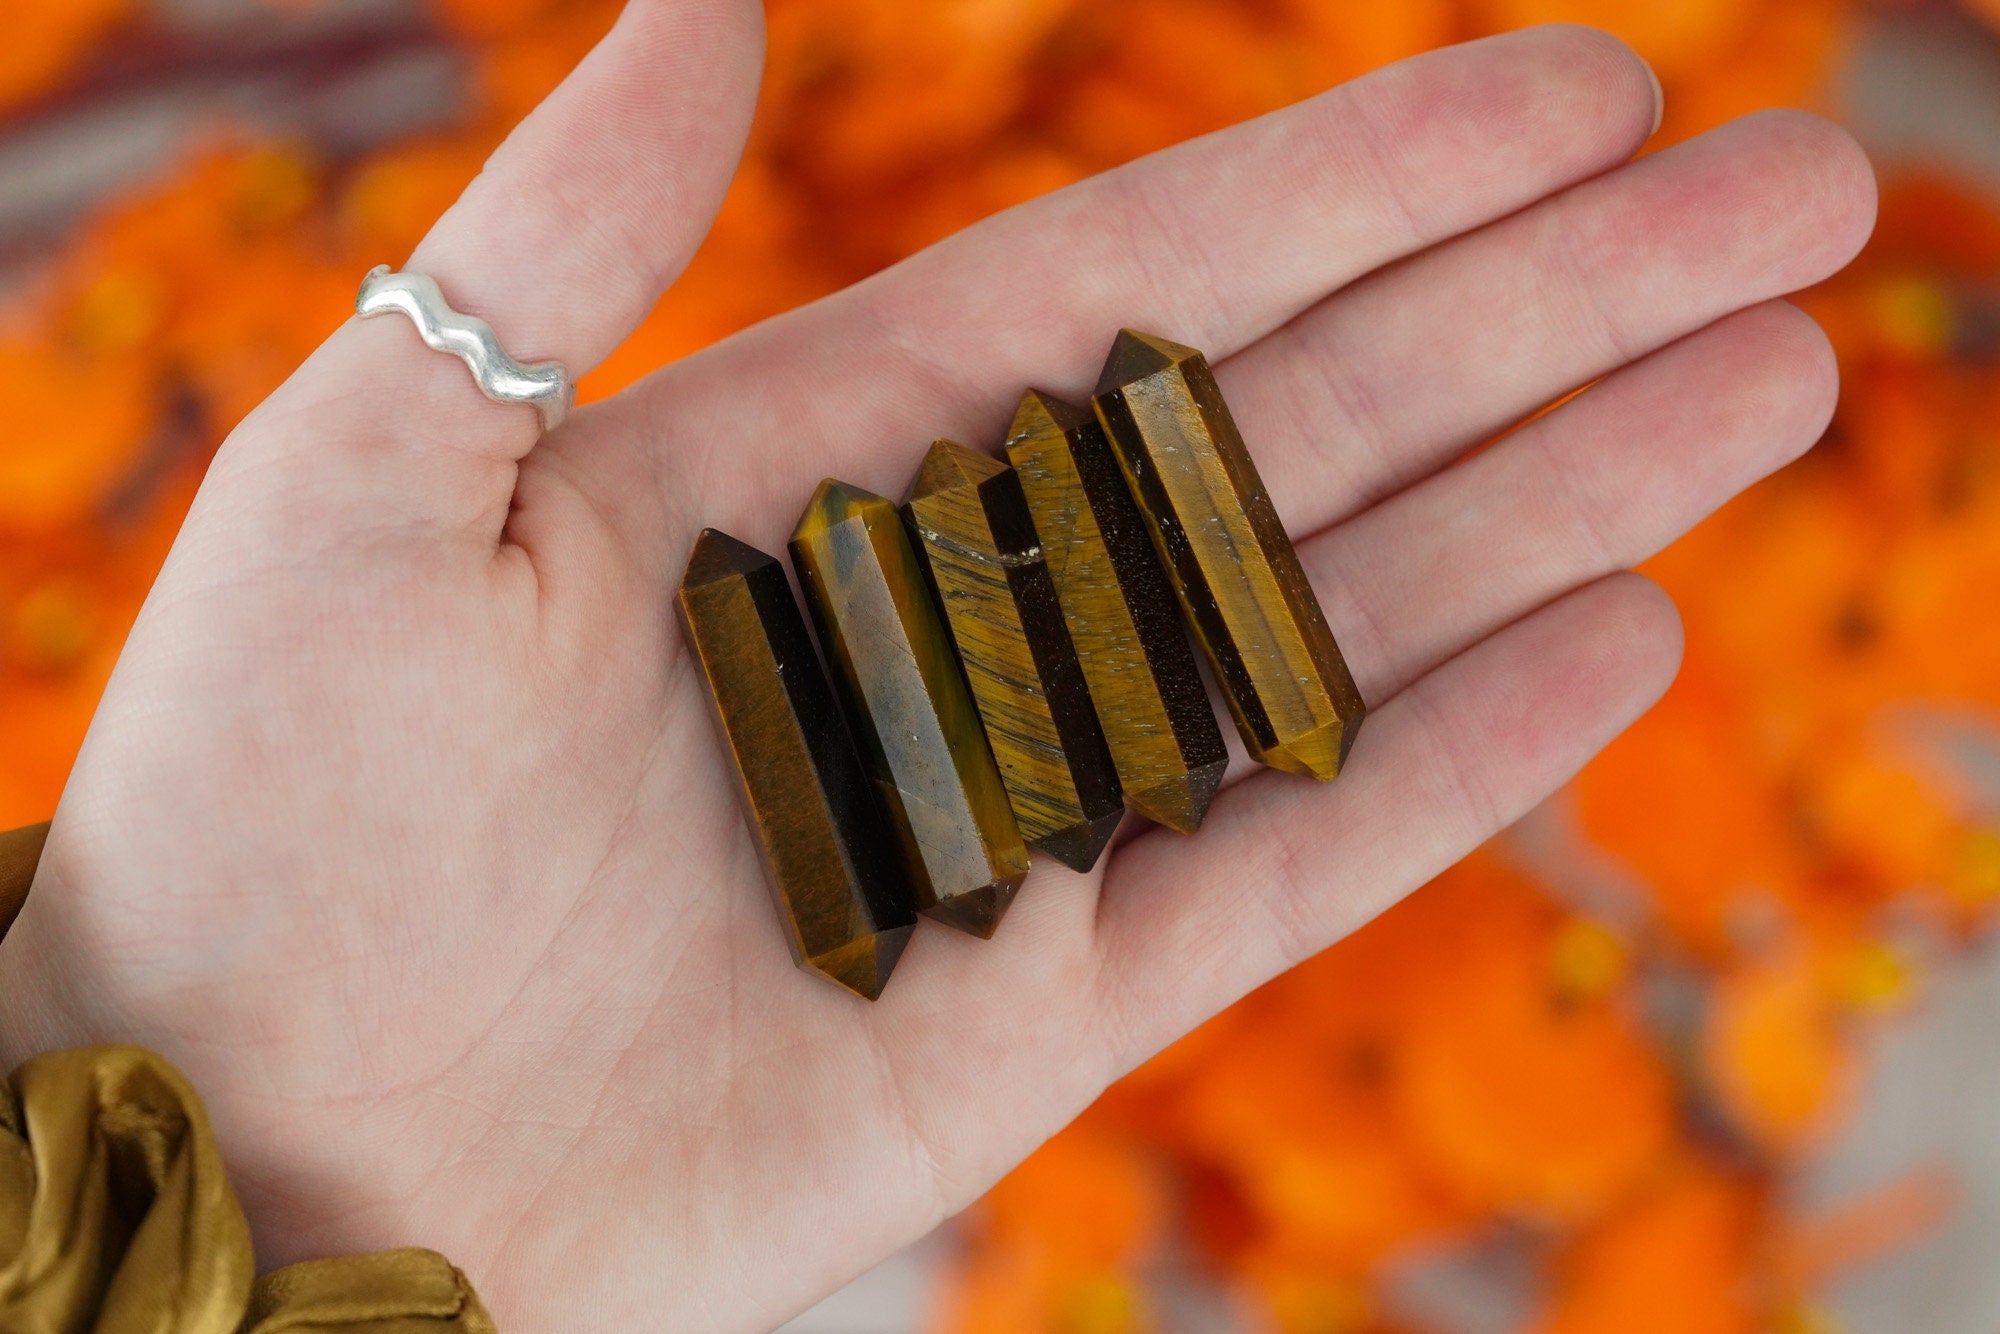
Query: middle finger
1383,382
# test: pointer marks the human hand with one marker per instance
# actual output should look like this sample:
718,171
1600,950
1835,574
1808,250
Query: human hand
403,829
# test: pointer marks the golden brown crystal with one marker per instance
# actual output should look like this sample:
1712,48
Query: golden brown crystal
838,882
1120,610
918,730
984,561
1238,578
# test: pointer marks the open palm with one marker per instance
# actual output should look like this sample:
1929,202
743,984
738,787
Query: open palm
403,826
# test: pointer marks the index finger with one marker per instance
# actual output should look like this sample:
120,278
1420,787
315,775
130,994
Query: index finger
1216,242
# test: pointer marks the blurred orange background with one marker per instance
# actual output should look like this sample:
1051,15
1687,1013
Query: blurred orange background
1589,1082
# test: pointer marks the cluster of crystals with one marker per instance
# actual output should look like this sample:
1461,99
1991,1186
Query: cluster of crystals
1010,661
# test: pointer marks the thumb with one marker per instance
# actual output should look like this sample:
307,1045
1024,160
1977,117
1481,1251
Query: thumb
563,243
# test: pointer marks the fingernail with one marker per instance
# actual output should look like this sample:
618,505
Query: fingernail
1659,98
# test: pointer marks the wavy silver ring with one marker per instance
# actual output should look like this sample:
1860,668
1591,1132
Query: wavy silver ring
546,384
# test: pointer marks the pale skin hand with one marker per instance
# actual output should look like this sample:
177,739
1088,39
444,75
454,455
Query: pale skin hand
404,828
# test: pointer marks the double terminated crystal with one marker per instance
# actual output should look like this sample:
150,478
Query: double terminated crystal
843,895
985,564
1119,608
919,731
1238,578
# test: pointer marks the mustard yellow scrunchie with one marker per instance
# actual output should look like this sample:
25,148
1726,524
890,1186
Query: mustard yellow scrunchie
116,1216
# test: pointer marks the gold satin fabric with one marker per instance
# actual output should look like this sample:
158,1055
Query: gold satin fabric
116,1216
20,851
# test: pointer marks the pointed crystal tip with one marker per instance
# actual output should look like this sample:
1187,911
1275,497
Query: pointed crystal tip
1320,753
718,556
834,503
1181,802
1080,845
1040,413
1135,355
950,466
863,966
977,912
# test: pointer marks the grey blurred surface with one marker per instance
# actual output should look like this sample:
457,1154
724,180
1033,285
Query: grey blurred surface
341,75
1930,1103
1925,85
893,1296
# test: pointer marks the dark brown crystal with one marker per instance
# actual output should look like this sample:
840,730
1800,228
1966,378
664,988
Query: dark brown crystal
825,839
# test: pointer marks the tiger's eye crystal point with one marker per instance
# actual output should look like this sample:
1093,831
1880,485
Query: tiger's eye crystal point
863,964
977,913
918,730
825,840
1119,607
984,560
1235,570
950,466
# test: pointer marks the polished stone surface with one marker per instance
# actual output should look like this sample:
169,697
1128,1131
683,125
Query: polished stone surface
840,887
1120,609
1239,580
918,730
984,559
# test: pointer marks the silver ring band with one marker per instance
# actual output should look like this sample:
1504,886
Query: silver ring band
546,384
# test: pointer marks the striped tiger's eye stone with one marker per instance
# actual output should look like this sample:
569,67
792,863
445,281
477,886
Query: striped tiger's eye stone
985,566
914,719
826,842
1119,607
1238,577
